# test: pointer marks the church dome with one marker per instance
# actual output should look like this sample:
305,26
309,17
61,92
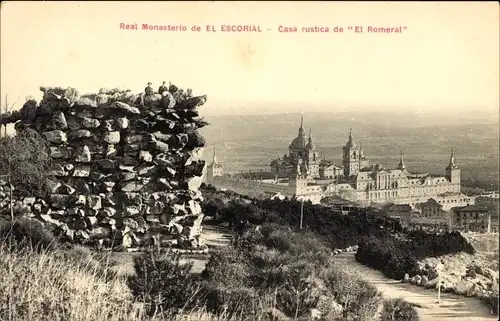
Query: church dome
298,143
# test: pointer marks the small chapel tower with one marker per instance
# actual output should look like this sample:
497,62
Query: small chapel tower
214,169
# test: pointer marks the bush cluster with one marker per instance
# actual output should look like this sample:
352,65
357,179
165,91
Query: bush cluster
25,233
268,268
398,310
163,283
395,256
338,231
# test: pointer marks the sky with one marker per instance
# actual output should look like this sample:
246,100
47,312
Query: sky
446,60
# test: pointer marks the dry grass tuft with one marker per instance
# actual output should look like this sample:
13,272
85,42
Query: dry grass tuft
55,286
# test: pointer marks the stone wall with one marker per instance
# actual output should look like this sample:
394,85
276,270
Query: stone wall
126,167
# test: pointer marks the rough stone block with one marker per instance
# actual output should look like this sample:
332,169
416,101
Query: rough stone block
86,102
81,171
101,232
78,134
56,136
145,156
90,122
58,170
61,152
94,202
59,121
132,210
112,137
122,123
82,155
106,164
133,139
59,201
126,108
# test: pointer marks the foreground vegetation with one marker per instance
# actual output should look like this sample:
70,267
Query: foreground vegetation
270,273
393,254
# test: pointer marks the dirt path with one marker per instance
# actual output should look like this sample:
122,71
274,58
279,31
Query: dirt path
453,307
214,237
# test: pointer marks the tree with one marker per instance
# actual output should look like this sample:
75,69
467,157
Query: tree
5,110
25,162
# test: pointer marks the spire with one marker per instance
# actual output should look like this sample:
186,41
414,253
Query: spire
214,160
301,129
350,143
452,164
310,144
401,165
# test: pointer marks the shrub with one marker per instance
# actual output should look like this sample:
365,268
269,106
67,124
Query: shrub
29,162
25,233
232,302
272,264
297,295
357,297
395,257
228,267
398,310
163,284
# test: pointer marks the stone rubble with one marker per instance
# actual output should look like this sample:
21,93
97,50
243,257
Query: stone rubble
127,168
464,274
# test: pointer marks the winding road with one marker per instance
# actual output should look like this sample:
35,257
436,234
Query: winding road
452,307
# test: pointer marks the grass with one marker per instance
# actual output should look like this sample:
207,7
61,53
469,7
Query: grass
55,285
70,284
272,274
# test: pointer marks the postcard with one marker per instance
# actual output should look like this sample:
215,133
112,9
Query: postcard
245,160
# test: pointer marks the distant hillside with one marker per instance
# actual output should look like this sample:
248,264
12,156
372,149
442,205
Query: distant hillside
251,142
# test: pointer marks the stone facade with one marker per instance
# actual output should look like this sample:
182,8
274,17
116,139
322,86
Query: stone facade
472,218
358,180
126,168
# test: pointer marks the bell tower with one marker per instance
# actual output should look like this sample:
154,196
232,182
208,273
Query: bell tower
453,173
351,157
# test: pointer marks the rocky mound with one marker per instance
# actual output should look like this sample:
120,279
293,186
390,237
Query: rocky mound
126,167
462,273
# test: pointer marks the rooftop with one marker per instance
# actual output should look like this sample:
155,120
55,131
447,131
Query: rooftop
399,208
472,208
